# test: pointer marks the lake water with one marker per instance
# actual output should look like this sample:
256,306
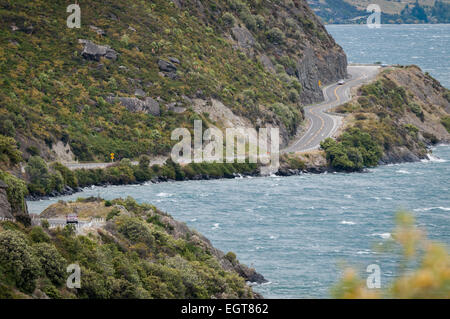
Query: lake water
298,230
427,46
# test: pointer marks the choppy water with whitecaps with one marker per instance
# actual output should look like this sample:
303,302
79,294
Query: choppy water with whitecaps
426,45
298,230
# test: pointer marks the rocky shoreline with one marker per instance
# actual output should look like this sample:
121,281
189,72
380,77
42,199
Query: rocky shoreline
160,179
397,156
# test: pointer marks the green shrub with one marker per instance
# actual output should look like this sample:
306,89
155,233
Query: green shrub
275,35
294,97
45,224
38,235
18,264
228,19
417,110
69,177
7,128
16,191
136,231
412,129
113,213
32,150
51,261
9,153
354,150
446,122
231,257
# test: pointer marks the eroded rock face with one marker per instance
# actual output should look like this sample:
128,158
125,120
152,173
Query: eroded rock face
92,51
244,38
149,105
5,206
312,68
268,65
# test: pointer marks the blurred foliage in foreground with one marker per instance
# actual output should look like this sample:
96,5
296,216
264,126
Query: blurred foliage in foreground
429,279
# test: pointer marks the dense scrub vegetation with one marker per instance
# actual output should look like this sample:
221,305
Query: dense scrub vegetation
355,150
9,154
137,255
55,94
16,192
48,181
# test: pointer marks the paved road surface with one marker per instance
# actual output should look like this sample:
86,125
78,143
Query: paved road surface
323,125
72,166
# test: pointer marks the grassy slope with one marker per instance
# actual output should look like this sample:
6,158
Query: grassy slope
50,93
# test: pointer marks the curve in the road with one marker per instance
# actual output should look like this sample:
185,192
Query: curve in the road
321,124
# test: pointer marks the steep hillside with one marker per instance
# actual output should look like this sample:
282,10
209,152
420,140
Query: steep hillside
134,71
139,253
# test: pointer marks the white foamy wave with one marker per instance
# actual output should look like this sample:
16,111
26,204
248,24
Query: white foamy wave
345,222
426,209
403,171
383,235
433,159
163,195
348,196
215,226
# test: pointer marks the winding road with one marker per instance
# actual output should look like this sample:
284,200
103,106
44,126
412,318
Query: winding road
323,124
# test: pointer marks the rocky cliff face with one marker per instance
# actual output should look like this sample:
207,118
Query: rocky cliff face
5,206
302,49
314,67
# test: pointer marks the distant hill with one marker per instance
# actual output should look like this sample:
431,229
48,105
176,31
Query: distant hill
393,11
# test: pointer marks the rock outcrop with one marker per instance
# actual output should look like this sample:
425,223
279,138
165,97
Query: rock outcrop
92,51
149,105
312,68
5,206
168,68
244,38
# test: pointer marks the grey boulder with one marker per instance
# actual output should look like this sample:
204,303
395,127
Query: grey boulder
166,66
135,105
92,51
